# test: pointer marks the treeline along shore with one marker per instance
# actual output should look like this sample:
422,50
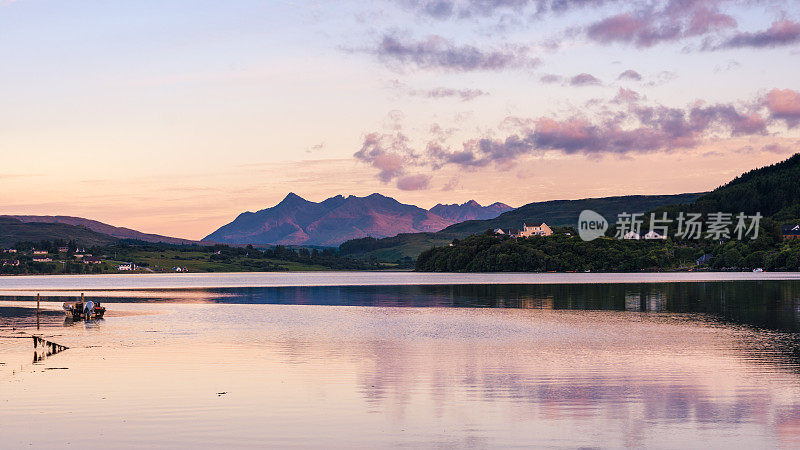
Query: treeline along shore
59,257
564,251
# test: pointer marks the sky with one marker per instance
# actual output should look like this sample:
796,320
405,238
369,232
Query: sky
173,117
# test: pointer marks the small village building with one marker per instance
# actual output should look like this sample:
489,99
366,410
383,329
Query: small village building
92,260
535,229
499,231
11,262
79,255
654,235
632,235
63,249
10,250
790,232
40,252
127,266
40,259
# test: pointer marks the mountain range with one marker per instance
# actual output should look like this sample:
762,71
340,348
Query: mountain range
470,210
297,221
100,227
381,227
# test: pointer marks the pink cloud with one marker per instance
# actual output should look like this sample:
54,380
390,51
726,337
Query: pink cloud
785,32
389,153
784,104
622,27
648,24
413,182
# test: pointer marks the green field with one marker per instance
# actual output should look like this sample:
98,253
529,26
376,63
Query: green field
196,261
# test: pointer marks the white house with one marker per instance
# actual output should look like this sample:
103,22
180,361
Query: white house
535,229
127,266
654,235
632,235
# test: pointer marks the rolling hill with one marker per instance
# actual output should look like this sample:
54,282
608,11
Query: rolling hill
565,212
102,228
773,191
13,230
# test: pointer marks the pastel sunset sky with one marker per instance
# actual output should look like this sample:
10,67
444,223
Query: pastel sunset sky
174,116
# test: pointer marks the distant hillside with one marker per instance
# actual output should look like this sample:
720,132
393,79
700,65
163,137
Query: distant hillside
395,248
297,221
554,212
470,210
13,230
774,191
100,227
565,212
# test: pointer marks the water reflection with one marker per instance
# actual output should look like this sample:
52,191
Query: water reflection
771,305
42,348
540,374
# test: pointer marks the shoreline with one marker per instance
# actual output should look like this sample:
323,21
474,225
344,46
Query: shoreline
30,284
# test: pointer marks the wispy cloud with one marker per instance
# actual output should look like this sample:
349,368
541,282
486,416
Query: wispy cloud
780,33
442,92
438,53
630,74
584,79
414,182
625,125
551,78
649,24
471,9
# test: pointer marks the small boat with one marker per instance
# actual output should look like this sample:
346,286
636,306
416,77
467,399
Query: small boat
83,310
758,269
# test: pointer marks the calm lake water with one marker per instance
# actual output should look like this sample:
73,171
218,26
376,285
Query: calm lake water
618,361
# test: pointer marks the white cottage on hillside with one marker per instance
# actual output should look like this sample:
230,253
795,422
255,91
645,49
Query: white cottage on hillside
535,229
654,235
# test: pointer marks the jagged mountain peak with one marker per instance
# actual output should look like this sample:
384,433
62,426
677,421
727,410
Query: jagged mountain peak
292,198
470,210
296,221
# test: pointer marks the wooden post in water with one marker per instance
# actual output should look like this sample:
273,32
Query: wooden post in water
37,311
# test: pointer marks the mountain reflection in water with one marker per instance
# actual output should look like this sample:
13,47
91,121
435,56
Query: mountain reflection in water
771,305
609,365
